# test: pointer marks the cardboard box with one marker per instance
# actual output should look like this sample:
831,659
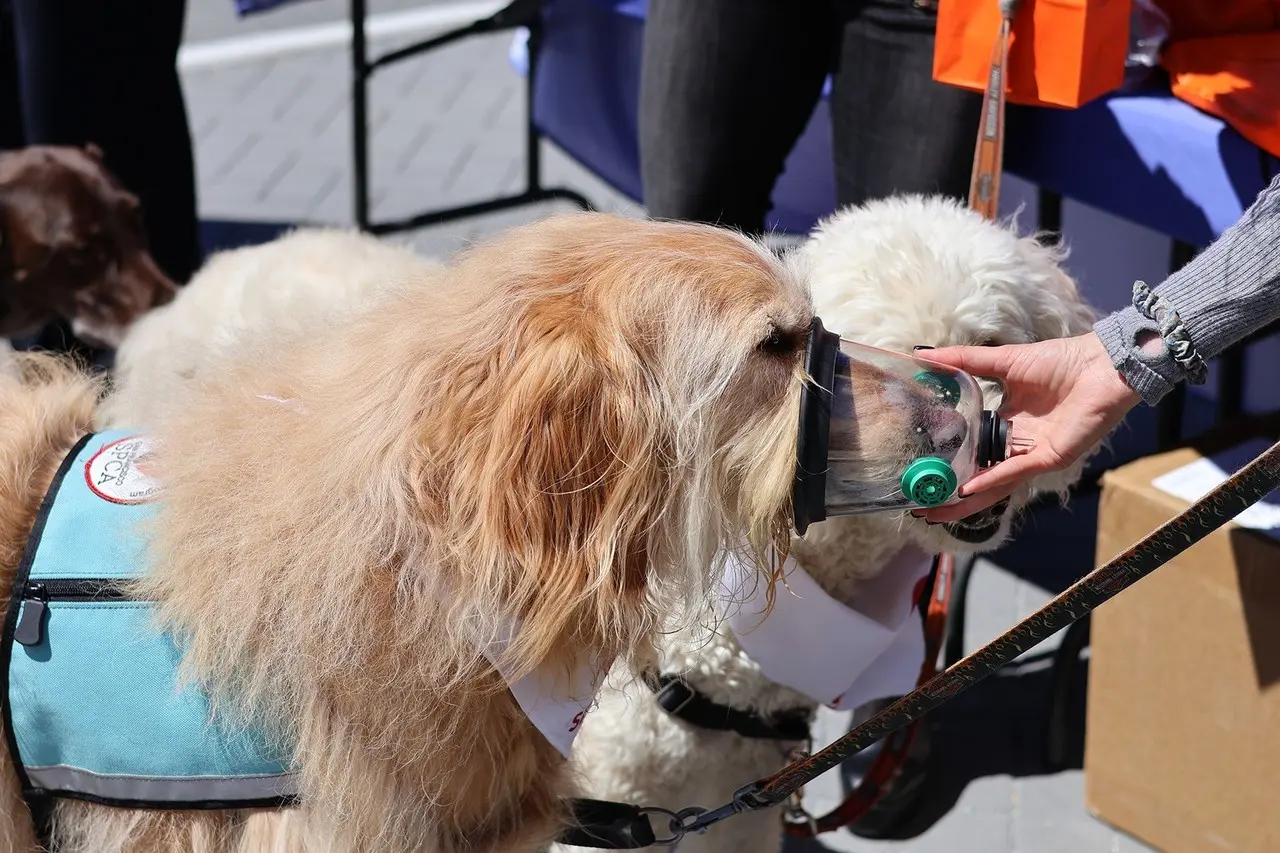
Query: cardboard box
1182,744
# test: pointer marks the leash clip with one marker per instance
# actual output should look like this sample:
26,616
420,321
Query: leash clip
794,811
679,824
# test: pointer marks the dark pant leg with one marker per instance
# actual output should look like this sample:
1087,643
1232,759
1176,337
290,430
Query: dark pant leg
11,134
105,72
727,86
895,130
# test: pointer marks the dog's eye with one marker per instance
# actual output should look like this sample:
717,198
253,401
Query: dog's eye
777,342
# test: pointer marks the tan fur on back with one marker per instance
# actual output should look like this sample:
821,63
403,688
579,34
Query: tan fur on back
566,426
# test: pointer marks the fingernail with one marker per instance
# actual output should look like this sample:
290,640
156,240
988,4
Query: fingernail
918,348
932,523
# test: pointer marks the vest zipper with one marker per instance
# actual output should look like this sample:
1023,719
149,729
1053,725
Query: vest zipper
37,595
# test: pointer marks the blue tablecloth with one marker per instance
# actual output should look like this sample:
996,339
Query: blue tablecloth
251,7
1145,156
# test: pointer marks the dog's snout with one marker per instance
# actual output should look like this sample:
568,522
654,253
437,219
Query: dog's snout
940,430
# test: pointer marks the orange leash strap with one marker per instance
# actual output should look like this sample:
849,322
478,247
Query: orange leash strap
988,156
888,762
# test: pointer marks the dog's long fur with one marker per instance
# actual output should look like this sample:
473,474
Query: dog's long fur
893,273
566,426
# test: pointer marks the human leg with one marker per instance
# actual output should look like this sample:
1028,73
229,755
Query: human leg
895,129
727,86
106,72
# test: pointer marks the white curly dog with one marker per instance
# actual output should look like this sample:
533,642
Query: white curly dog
896,273
305,278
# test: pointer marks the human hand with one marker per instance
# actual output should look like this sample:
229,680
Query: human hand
1063,394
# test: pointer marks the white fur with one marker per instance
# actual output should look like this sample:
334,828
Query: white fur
308,277
893,274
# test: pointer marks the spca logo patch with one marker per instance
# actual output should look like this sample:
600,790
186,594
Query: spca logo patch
116,472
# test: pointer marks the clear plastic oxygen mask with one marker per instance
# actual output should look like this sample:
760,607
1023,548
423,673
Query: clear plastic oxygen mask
881,431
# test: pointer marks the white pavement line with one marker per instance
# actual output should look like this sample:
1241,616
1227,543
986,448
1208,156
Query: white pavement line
274,43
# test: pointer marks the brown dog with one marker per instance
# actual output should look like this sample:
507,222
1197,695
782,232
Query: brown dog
72,246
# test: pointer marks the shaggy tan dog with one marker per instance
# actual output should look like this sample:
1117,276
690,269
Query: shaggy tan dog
564,428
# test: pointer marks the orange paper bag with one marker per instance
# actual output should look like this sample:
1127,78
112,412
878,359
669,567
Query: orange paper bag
1193,19
1063,53
1234,77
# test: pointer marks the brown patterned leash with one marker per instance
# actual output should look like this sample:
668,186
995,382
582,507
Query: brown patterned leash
1246,487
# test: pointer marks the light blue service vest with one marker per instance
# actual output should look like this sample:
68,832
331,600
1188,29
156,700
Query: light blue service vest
93,709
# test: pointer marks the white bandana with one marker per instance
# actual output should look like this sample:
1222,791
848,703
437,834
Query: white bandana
542,696
838,655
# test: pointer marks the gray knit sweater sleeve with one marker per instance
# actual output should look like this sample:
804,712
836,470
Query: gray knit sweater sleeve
1229,291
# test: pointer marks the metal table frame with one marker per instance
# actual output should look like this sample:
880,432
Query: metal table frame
518,13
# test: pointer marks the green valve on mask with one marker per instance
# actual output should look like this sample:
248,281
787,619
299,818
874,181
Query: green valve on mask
929,481
946,387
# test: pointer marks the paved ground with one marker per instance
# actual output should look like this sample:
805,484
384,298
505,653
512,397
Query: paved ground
217,19
273,139
273,143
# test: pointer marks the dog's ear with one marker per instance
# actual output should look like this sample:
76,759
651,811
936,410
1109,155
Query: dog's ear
567,483
1057,307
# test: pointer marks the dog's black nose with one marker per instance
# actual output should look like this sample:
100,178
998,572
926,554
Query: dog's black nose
941,431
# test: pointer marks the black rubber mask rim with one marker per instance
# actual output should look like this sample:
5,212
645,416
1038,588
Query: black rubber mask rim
810,493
